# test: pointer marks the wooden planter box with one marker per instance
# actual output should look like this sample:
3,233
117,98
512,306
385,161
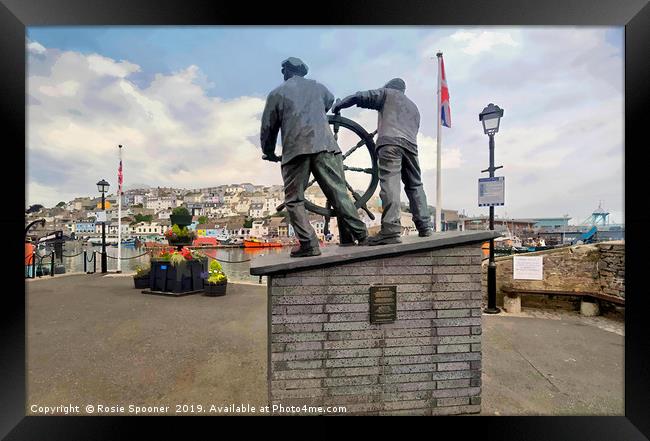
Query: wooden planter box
179,243
215,289
141,282
163,278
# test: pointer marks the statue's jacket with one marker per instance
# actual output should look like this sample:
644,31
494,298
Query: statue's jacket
299,108
399,119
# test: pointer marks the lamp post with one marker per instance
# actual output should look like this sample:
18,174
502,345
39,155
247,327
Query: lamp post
102,187
490,117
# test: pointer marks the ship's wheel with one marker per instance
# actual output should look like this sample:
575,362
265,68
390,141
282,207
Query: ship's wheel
360,137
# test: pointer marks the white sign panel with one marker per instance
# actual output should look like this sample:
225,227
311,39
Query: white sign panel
491,191
101,216
528,267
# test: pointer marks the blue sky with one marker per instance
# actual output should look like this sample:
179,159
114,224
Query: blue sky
186,103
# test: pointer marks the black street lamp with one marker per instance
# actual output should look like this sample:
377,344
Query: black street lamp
102,187
490,117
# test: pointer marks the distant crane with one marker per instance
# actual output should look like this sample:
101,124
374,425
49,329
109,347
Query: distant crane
599,217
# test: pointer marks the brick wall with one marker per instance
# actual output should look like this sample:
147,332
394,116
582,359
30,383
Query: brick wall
325,352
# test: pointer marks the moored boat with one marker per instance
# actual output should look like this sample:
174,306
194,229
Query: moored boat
128,242
259,243
205,242
98,241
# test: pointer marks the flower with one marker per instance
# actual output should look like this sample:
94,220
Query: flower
216,274
142,271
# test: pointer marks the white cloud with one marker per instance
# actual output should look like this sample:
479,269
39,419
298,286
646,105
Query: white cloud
35,47
105,66
67,88
172,132
451,157
482,41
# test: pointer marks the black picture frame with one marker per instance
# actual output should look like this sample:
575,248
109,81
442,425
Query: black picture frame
15,15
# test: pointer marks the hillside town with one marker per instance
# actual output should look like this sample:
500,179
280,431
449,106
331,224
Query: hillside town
237,212
227,211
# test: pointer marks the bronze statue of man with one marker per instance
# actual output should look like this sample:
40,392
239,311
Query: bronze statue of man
397,152
299,108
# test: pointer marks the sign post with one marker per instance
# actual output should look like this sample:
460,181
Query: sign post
491,191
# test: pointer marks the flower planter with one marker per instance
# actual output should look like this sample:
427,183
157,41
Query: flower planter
179,242
141,282
166,278
182,220
215,289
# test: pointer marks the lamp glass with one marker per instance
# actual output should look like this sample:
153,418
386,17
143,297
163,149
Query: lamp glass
491,124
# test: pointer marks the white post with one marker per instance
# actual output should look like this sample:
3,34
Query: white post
119,218
439,153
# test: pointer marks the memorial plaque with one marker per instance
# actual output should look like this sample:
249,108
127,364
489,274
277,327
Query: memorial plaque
383,303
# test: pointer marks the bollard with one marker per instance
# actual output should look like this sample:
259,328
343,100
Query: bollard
52,265
94,262
33,264
85,263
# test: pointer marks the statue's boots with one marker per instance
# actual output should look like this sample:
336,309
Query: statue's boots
382,239
305,251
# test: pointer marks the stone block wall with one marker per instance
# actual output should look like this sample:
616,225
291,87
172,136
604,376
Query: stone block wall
589,268
325,352
611,268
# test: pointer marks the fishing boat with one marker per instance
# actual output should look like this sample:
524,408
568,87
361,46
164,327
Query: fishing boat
205,242
260,243
504,245
223,238
97,241
130,242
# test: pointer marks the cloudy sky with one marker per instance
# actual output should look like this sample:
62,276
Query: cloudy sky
186,104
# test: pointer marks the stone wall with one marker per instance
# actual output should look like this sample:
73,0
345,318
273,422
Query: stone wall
588,268
611,268
325,352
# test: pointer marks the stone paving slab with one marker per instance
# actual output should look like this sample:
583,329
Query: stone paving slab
94,339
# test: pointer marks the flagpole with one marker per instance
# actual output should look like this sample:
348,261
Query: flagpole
439,153
119,217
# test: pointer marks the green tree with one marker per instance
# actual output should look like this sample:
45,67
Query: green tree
34,208
248,223
203,219
143,218
180,211
60,204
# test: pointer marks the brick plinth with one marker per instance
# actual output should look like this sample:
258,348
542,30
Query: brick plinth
323,350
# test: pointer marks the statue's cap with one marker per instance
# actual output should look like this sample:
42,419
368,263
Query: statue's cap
396,83
295,65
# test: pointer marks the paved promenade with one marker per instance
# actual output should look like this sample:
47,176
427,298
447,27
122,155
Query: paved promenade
96,340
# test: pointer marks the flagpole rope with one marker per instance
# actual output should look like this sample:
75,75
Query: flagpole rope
232,261
74,255
126,258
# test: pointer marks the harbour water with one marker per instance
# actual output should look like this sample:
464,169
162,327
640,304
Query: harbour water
235,261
